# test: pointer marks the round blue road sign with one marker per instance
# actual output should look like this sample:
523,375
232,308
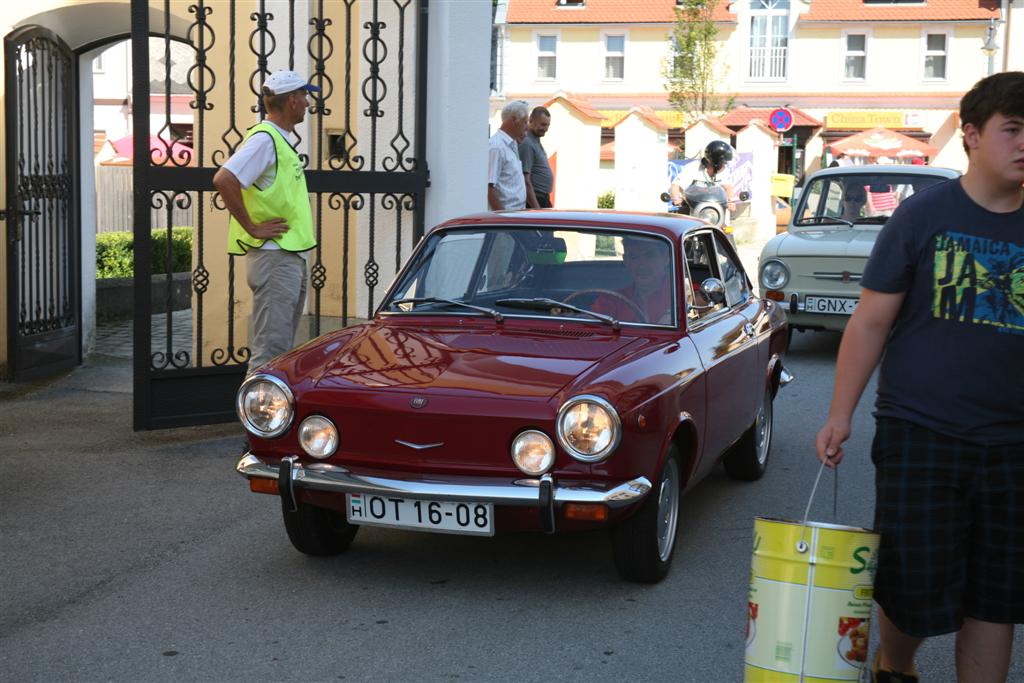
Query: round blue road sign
780,119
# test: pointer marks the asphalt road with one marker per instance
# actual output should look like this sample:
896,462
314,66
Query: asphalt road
143,557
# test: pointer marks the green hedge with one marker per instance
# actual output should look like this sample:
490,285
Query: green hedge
114,252
606,200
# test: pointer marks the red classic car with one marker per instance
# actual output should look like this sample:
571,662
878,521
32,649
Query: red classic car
528,371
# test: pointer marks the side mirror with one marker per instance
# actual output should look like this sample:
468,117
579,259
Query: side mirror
713,290
744,196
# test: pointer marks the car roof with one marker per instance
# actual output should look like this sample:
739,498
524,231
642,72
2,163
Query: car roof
886,169
668,224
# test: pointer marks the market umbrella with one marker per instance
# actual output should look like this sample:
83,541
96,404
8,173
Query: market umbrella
158,149
882,142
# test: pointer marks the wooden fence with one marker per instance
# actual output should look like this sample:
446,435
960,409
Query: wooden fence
114,202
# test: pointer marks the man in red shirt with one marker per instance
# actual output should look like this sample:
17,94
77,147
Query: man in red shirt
648,299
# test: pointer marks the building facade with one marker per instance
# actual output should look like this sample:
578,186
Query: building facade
842,66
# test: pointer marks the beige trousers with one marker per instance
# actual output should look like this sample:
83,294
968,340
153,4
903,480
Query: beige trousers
278,280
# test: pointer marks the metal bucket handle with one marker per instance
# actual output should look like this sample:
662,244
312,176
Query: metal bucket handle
801,545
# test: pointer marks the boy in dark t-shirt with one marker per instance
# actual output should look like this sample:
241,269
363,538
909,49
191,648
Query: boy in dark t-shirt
943,297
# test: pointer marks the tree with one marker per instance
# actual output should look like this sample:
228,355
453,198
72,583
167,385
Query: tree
690,70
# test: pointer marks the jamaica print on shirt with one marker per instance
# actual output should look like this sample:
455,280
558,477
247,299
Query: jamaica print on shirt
979,281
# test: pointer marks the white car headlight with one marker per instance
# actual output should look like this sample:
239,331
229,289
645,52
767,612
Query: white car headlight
318,436
533,452
588,428
774,274
264,406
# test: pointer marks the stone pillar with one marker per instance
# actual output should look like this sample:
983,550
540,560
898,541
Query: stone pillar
457,125
762,142
641,153
573,144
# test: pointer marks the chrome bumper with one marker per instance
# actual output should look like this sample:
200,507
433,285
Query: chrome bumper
518,492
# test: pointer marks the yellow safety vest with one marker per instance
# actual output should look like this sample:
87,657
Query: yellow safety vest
286,198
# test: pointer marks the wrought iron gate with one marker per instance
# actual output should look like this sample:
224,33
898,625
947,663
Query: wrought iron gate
365,170
43,300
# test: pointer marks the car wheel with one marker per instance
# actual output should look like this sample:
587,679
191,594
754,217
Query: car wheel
318,531
748,459
643,543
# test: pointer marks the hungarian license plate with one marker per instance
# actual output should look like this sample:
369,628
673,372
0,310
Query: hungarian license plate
426,515
830,304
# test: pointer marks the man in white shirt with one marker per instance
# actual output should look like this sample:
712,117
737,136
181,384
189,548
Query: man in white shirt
263,187
506,187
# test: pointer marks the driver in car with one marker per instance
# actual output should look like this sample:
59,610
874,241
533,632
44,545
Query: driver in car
854,199
648,297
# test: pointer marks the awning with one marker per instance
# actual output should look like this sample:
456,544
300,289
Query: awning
882,142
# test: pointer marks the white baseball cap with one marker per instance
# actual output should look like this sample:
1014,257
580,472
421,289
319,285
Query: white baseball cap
281,82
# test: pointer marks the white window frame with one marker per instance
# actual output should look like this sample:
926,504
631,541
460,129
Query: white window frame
769,13
537,54
606,54
846,53
935,30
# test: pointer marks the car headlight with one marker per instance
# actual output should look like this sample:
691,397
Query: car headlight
318,436
264,405
533,452
588,428
774,274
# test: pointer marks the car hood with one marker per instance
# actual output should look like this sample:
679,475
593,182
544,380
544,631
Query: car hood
826,242
520,363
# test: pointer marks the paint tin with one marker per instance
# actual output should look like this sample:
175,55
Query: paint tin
809,605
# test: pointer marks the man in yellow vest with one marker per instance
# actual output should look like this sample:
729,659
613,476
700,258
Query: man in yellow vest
264,189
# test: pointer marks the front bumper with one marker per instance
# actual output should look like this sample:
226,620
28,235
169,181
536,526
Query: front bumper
543,493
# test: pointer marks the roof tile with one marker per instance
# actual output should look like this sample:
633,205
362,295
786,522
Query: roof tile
742,116
602,12
932,10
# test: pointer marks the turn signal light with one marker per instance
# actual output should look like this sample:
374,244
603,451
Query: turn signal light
775,295
594,512
261,485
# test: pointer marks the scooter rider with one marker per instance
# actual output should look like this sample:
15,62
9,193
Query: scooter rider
711,170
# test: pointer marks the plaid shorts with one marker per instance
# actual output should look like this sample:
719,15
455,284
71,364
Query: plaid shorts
951,518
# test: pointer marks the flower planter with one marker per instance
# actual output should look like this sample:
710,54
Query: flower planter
115,297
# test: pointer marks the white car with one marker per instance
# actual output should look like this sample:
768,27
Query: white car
814,268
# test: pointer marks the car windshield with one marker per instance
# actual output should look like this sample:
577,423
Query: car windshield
860,199
602,277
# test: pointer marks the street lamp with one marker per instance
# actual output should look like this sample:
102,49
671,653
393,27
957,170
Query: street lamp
989,47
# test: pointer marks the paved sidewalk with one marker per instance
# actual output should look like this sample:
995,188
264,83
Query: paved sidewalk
114,338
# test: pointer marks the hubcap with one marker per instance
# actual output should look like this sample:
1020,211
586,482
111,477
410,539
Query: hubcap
764,428
668,509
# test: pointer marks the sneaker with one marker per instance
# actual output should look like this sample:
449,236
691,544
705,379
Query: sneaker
879,675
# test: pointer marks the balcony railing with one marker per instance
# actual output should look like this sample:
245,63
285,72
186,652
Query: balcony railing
768,63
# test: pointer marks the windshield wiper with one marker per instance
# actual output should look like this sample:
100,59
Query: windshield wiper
822,220
543,303
498,317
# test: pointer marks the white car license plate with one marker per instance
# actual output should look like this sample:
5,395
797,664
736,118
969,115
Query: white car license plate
428,515
829,304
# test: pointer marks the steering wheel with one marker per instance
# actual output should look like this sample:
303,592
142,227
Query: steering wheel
640,317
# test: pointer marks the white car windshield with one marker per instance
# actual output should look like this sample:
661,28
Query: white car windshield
601,276
856,198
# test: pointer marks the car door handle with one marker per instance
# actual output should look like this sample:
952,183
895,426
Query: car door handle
748,329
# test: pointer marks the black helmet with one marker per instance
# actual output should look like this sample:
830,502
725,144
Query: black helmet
718,153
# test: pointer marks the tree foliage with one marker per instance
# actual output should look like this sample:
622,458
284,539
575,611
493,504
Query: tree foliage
690,70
